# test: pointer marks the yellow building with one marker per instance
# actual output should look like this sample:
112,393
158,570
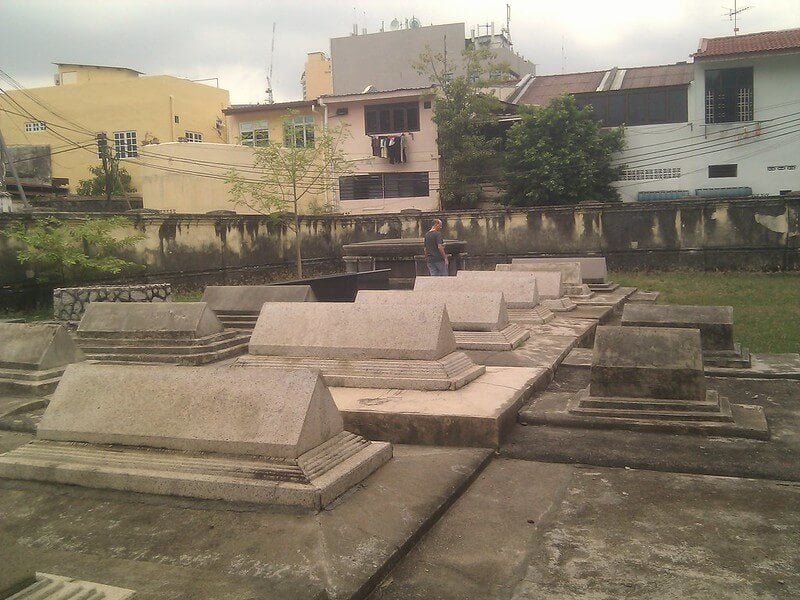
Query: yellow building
133,110
317,79
190,178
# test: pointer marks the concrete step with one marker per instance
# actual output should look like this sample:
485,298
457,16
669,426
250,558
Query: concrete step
201,356
167,341
714,409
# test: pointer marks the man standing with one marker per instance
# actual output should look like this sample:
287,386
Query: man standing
435,255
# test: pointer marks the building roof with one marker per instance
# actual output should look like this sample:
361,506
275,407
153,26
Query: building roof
543,88
764,42
98,67
399,92
235,109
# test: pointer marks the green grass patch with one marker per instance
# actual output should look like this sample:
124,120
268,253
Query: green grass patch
34,314
766,306
187,296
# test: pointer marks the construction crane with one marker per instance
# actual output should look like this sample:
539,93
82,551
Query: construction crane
270,98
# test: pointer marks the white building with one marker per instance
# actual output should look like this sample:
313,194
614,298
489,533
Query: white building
727,124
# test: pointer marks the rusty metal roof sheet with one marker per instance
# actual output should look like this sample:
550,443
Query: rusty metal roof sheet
764,42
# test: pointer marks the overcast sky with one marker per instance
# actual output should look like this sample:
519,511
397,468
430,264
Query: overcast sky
231,39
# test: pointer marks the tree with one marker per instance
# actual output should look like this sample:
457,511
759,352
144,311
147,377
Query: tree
61,252
307,164
559,154
464,116
96,186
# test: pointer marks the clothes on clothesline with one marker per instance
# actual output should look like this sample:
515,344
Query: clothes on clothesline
392,147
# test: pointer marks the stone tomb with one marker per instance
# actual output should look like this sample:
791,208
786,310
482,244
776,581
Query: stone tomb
520,292
364,345
238,306
33,357
714,322
270,436
594,271
571,275
551,290
184,333
649,378
479,319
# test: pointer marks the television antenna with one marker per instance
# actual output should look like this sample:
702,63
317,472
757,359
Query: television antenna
270,98
733,15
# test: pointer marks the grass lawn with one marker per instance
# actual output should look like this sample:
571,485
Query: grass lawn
766,306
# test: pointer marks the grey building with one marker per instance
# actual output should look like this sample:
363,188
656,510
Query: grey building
385,60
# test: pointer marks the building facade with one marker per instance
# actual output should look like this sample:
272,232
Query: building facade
132,110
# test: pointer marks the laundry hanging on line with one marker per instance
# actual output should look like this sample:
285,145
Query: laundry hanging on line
392,147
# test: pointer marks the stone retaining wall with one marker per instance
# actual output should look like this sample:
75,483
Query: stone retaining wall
69,304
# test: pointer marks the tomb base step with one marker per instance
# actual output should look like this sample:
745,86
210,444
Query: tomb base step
30,375
198,358
238,319
56,587
452,372
143,347
559,304
603,287
538,315
165,341
644,296
14,387
714,408
506,339
553,409
312,481
739,358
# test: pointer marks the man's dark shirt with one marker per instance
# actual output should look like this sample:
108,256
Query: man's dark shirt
432,241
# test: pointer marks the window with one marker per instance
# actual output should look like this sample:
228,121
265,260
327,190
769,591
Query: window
298,132
722,171
193,136
648,174
729,95
384,185
254,133
638,107
125,144
391,118
35,126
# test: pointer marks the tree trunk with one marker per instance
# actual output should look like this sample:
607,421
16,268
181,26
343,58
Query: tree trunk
297,248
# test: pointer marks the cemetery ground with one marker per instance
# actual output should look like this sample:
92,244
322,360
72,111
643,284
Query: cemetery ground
553,512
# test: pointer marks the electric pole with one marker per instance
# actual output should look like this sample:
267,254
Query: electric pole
102,149
4,152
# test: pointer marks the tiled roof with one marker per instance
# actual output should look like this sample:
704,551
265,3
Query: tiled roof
546,87
753,43
234,109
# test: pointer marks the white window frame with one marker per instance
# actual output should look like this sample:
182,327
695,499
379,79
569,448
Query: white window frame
125,144
193,136
32,126
298,132
254,133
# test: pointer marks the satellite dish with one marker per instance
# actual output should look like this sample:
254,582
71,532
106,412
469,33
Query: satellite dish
414,24
394,25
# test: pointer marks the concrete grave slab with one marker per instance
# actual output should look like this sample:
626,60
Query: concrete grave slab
269,436
49,586
593,268
648,378
479,319
186,333
238,306
33,357
478,414
548,282
714,322
409,347
168,548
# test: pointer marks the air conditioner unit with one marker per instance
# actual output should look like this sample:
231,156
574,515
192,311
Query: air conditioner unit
340,112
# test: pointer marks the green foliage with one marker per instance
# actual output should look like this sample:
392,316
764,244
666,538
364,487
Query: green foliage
287,174
96,186
60,252
558,154
463,115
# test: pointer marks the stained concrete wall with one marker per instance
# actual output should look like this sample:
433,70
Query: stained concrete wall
757,234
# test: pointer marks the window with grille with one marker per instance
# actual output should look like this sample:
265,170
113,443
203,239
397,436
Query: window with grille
384,185
254,133
125,145
193,136
729,95
35,126
298,132
391,118
645,174
638,107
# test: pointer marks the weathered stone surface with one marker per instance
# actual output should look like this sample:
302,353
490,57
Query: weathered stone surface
333,330
33,346
69,304
250,298
56,586
571,273
149,320
643,362
519,289
548,282
468,311
593,268
714,322
268,436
